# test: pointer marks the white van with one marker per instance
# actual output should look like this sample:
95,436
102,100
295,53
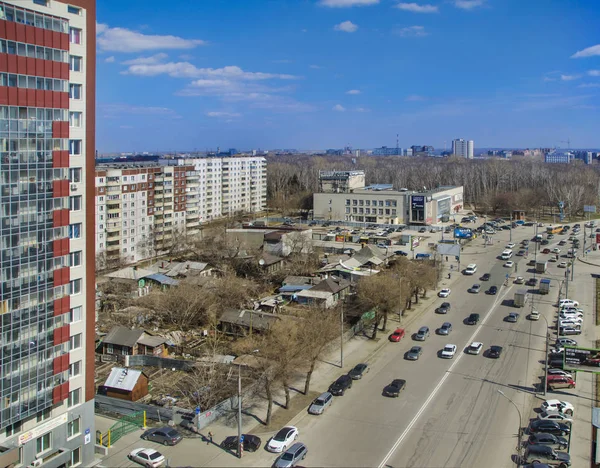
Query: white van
506,254
471,269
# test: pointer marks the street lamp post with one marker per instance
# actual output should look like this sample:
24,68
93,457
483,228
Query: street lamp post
342,335
547,347
520,425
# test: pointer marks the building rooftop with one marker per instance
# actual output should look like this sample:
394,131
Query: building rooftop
123,336
122,379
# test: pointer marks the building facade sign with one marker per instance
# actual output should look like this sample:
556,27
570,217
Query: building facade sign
42,428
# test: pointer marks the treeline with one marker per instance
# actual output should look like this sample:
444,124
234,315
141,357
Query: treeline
493,185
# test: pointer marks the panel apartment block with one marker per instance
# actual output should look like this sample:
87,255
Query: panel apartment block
47,145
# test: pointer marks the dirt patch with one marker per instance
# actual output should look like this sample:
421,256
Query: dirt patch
282,416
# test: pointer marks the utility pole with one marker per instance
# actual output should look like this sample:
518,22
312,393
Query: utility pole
240,440
342,336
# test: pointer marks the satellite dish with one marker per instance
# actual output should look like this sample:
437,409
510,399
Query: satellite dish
261,262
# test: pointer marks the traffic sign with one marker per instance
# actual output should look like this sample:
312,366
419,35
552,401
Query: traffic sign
197,410
242,439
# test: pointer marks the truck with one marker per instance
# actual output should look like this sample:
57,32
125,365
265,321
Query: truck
520,298
540,266
545,286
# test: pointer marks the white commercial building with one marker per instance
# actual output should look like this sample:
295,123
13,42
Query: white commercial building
463,148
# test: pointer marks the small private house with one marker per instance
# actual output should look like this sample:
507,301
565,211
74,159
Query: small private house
243,322
123,341
271,263
125,384
326,294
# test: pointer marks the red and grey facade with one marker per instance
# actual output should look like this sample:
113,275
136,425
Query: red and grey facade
47,146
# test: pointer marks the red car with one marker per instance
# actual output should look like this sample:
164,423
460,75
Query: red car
546,251
559,381
397,335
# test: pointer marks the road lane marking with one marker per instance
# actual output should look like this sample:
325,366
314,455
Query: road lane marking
440,383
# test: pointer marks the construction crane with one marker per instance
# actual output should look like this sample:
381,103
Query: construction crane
568,142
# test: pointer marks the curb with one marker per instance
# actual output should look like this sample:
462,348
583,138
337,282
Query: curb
587,263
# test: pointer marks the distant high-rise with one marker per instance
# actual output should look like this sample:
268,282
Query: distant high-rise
463,148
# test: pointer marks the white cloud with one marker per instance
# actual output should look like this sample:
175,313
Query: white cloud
353,91
468,4
119,110
126,40
346,26
347,3
415,98
110,59
569,77
412,31
589,85
588,52
339,108
416,8
315,67
222,114
151,60
362,109
594,73
187,70
282,61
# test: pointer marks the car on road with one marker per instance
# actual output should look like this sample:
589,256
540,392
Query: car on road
492,291
566,342
358,371
485,277
422,230
555,250
562,242
546,454
444,292
510,245
549,427
422,334
250,441
162,435
519,280
448,351
414,353
513,317
282,440
473,319
495,352
554,382
534,315
149,458
393,390
475,289
562,265
339,387
569,331
558,405
474,348
532,282
546,251
445,329
545,242
320,404
553,259
402,253
444,308
397,335
292,456
555,416
542,438
550,236
509,264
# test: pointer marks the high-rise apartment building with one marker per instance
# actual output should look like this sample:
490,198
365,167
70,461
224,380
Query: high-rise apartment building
463,148
47,126
141,209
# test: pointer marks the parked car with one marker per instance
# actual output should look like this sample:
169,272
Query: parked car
163,435
549,427
555,416
495,352
448,351
546,454
566,342
444,292
554,382
558,405
445,329
394,389
292,456
444,308
569,331
358,371
397,335
422,334
149,458
339,387
474,348
320,404
250,441
567,303
513,317
492,291
548,439
284,437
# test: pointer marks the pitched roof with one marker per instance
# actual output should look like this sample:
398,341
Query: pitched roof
123,336
152,341
122,379
129,273
183,268
162,279
332,284
270,259
258,319
300,280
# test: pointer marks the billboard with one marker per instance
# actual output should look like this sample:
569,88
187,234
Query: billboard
582,359
443,206
463,233
417,202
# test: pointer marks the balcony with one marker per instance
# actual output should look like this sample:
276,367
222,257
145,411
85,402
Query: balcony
111,247
114,226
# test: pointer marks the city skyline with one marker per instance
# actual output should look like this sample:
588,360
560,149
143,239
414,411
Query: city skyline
326,73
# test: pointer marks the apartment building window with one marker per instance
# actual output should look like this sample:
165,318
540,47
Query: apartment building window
75,63
75,231
13,429
73,10
74,398
75,457
44,443
367,210
74,91
73,428
75,342
381,211
75,36
41,2
75,287
368,202
75,147
393,212
75,369
43,415
360,202
75,119
75,258
75,203
75,175
347,209
75,314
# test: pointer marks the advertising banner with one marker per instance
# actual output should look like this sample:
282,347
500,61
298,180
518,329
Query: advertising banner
463,233
418,202
582,359
444,206
597,238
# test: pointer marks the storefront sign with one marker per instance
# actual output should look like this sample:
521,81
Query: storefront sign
42,428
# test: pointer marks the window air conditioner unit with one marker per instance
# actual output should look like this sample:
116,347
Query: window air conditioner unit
73,186
37,462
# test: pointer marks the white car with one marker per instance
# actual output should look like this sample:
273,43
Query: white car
555,250
555,416
510,245
566,342
444,292
558,405
490,231
562,265
559,372
147,457
474,348
570,315
570,322
567,303
449,351
509,264
283,439
534,315
570,310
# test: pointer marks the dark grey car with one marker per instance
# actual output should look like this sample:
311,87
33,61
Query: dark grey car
445,329
358,371
163,435
414,353
543,438
292,456
422,334
321,403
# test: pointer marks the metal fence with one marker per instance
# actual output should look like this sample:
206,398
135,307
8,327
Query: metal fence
115,406
159,362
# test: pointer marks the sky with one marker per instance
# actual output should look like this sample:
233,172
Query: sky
193,75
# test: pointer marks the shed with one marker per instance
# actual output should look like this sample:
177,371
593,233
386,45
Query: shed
242,322
125,384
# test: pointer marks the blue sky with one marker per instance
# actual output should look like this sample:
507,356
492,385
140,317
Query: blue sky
308,74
